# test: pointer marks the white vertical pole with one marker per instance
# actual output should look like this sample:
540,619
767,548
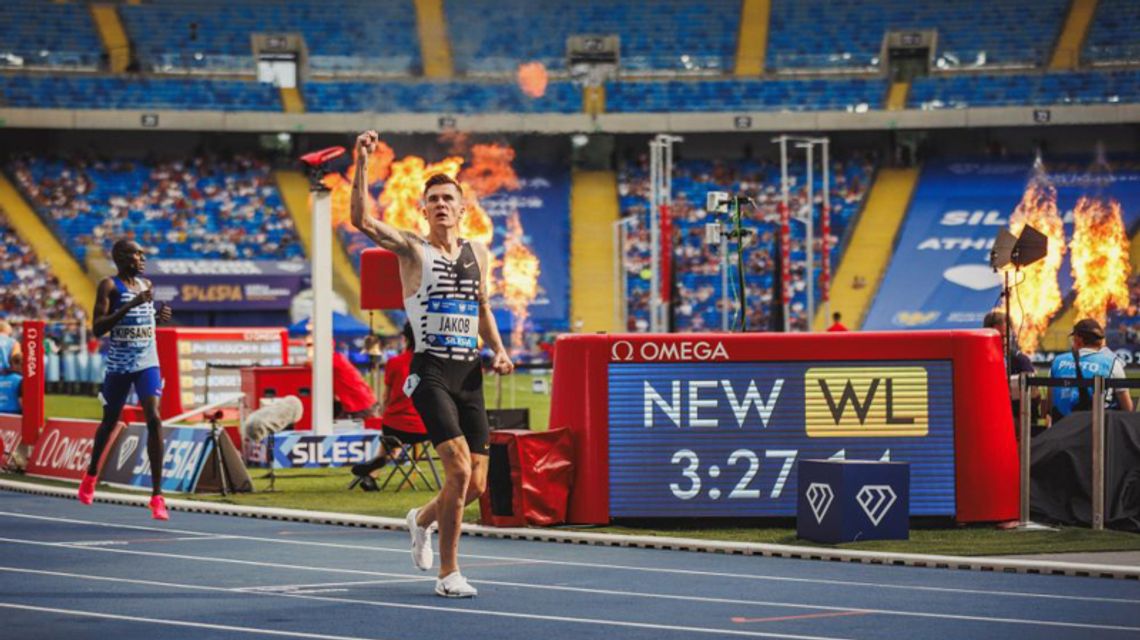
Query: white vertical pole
725,300
321,320
825,246
1097,453
654,236
810,222
1024,422
619,278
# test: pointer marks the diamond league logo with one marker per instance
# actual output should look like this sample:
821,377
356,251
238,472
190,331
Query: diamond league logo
876,500
820,497
128,449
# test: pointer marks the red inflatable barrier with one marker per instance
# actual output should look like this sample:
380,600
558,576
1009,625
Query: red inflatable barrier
535,490
713,424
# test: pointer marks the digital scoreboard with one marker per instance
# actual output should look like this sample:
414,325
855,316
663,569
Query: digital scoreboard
722,439
713,425
184,354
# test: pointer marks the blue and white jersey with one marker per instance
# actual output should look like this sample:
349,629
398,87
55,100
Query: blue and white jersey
7,345
1094,363
10,392
130,343
444,311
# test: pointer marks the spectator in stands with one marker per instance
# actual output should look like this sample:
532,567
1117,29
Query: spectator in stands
1093,360
9,348
836,323
400,419
10,384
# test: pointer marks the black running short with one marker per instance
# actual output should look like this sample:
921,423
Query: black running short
448,395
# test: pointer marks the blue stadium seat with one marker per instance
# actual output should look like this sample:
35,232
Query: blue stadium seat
434,97
671,35
1083,87
340,35
1114,35
844,34
131,92
754,95
38,33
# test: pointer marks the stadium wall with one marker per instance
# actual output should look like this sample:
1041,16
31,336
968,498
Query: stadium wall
552,123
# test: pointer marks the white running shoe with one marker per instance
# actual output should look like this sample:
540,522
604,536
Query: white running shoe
421,542
454,585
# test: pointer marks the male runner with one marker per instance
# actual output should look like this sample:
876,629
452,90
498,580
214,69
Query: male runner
124,310
444,280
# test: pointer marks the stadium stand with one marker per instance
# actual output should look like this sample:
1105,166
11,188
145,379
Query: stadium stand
341,35
493,36
28,289
434,97
698,265
41,34
760,95
953,217
823,34
206,207
1112,37
1083,87
134,92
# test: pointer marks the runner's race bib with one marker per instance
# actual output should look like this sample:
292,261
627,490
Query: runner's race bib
452,323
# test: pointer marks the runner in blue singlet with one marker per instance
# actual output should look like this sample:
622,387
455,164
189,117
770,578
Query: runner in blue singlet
126,314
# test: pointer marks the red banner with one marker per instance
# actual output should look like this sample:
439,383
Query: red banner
825,253
64,449
666,254
32,391
785,253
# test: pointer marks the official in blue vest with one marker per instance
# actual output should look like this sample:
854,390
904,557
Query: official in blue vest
9,347
10,384
1095,360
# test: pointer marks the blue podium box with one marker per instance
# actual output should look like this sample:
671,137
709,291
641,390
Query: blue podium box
850,500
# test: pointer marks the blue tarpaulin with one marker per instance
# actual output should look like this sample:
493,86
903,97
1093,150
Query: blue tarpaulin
344,326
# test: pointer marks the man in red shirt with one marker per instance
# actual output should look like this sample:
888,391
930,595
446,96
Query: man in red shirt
836,325
354,398
400,418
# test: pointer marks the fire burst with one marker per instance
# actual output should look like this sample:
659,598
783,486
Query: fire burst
1038,296
491,170
1100,258
519,278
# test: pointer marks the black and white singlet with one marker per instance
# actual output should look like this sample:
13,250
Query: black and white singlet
445,380
444,311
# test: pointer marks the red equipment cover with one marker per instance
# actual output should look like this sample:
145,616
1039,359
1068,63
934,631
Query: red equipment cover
11,430
541,473
380,286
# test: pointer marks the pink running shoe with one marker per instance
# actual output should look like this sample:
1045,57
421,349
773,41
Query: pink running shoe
87,489
158,508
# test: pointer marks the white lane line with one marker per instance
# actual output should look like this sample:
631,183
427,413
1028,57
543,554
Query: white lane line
618,567
121,542
438,609
177,623
294,587
630,594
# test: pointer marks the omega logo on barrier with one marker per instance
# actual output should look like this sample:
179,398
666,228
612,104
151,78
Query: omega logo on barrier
624,351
